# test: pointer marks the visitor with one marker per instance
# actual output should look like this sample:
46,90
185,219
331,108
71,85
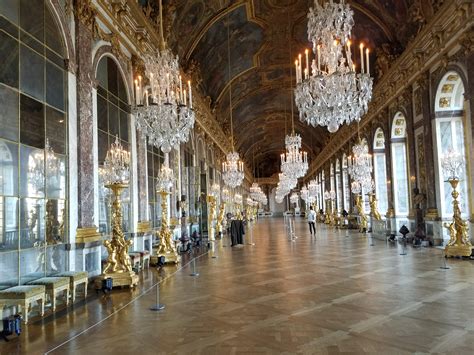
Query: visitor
311,220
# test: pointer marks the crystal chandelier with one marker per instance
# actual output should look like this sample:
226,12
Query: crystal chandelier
304,193
226,197
452,164
165,113
38,167
232,168
238,199
117,165
254,190
313,188
294,163
360,168
332,92
165,177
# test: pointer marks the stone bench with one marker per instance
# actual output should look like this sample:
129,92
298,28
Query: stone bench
54,286
76,278
23,298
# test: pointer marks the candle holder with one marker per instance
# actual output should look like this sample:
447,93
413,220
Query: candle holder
118,266
459,244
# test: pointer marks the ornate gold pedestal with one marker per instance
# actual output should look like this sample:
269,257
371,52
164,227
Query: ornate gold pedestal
220,219
459,244
118,266
211,200
166,247
327,219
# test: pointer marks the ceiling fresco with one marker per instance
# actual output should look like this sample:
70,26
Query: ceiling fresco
263,33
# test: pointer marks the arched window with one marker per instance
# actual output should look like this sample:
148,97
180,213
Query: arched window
380,170
449,112
113,120
400,165
345,183
33,142
323,188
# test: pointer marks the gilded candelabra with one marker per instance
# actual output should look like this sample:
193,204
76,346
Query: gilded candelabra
328,213
166,247
220,219
360,210
459,244
211,200
374,212
119,266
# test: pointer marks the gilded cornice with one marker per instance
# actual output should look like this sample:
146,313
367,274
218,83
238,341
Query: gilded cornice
446,30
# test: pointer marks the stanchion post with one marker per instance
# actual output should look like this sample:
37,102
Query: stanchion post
444,266
194,273
158,306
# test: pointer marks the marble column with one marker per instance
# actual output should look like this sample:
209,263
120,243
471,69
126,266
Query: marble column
84,22
428,129
469,97
411,155
142,178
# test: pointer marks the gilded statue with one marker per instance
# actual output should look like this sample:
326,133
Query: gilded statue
373,207
111,265
360,210
459,244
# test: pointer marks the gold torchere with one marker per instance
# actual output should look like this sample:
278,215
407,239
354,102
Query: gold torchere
327,219
360,210
220,219
238,212
459,244
166,247
211,200
119,266
373,207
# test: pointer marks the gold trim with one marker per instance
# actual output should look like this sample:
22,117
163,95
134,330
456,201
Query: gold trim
87,235
432,214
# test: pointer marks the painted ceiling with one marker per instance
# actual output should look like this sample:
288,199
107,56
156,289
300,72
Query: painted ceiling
262,35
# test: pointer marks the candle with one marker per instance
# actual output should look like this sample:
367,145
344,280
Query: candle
136,93
299,67
362,58
349,53
180,90
367,57
184,95
296,70
307,64
146,97
168,87
319,58
151,84
140,93
190,95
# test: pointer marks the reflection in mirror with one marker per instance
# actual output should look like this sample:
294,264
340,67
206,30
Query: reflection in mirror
32,222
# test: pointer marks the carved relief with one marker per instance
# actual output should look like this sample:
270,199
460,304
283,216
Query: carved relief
418,101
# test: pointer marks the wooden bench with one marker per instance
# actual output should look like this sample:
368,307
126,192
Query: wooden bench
76,278
23,298
54,286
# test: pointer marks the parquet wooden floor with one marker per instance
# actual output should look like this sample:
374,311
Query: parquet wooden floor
326,295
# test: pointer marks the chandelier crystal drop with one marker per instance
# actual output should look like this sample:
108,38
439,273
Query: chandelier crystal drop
117,164
233,170
294,163
164,111
329,91
226,196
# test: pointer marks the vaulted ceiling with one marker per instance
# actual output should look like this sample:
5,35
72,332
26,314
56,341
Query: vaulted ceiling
262,33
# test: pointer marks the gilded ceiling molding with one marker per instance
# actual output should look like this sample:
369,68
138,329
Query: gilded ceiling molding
445,31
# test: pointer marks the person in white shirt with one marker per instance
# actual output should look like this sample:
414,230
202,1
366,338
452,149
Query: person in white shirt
311,220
